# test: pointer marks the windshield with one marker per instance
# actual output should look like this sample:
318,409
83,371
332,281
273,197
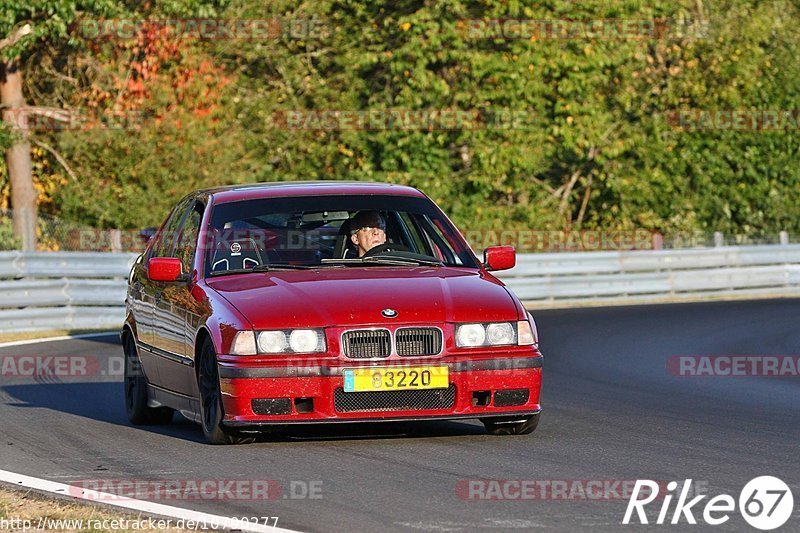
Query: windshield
331,231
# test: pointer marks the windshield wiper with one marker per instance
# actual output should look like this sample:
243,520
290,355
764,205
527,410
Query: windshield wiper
281,266
384,259
398,260
264,268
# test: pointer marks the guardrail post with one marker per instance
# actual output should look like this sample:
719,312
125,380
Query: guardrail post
784,237
658,241
719,240
116,240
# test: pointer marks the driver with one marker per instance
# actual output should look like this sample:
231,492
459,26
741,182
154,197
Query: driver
367,230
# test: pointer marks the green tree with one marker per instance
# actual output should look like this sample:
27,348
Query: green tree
592,146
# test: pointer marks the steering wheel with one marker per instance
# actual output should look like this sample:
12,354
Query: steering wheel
386,247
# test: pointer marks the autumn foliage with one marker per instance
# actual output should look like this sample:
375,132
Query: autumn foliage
596,143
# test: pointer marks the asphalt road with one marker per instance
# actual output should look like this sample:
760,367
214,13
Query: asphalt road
612,412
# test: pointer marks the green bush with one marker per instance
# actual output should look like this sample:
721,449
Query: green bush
598,150
8,241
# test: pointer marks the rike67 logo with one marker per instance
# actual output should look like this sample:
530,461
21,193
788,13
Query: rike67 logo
765,503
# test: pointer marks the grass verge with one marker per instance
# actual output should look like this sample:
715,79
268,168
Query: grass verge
25,510
28,335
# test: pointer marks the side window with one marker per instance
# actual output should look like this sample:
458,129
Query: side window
187,241
438,243
166,238
412,230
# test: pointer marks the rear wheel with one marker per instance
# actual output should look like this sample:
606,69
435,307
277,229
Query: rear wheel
211,410
139,413
511,426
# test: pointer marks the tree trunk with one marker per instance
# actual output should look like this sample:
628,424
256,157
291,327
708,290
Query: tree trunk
18,157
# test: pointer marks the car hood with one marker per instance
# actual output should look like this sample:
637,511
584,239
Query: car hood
357,295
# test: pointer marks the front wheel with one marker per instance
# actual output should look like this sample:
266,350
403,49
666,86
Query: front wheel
139,413
511,426
211,411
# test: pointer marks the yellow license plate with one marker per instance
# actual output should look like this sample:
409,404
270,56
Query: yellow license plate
397,378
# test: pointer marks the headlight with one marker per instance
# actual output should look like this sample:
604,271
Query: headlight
291,341
279,341
470,335
495,334
304,341
271,341
500,333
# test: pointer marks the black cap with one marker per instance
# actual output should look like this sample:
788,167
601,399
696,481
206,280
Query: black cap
366,219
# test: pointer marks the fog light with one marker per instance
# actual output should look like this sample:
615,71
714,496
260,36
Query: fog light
506,398
272,406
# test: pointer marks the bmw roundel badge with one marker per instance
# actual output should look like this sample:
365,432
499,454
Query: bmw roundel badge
389,313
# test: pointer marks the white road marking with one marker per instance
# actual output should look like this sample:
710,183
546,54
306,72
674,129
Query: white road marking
20,480
445,526
131,504
61,338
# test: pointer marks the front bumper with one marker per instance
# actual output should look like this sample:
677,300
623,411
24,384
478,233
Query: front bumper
312,391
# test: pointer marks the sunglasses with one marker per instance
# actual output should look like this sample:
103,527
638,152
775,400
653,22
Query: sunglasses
382,227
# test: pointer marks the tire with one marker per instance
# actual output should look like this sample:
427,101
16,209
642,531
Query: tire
139,413
502,426
211,410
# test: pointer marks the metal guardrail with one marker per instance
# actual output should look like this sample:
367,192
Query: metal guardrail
85,290
63,290
597,277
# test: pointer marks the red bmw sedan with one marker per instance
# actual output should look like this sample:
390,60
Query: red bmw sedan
263,305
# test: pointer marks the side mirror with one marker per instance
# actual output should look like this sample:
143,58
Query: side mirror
164,269
499,257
